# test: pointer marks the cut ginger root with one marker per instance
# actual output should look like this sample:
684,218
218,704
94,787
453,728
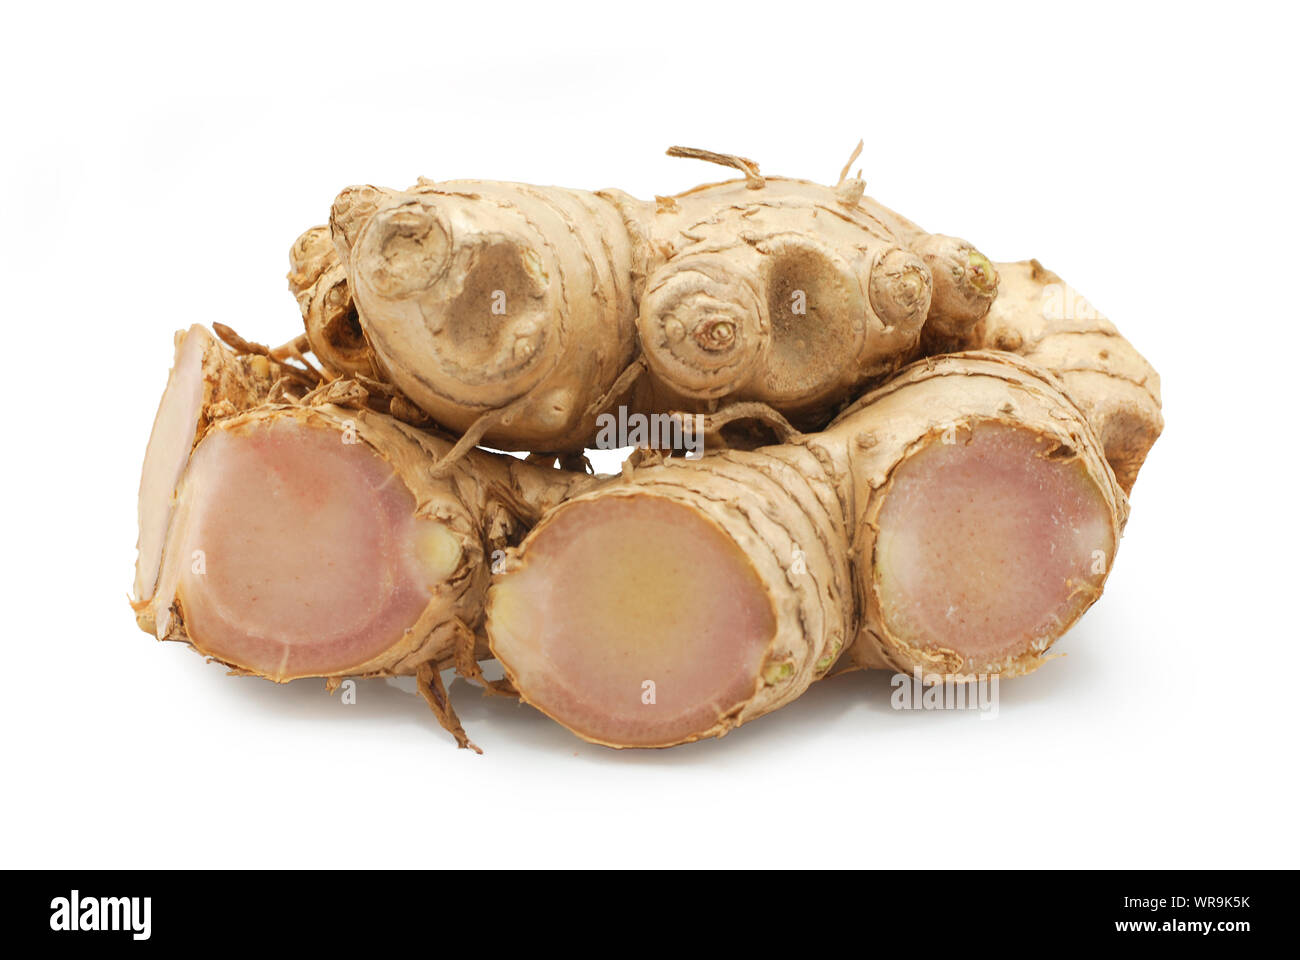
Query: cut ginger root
265,498
989,546
965,501
310,541
986,515
637,621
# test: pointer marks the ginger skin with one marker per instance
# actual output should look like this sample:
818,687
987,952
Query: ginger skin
1040,317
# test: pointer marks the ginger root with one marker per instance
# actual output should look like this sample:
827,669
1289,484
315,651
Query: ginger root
312,541
957,439
517,314
965,505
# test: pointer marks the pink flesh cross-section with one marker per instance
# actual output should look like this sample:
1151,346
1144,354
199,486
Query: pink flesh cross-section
634,621
302,550
989,544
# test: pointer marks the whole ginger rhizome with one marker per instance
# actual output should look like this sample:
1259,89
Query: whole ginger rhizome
872,447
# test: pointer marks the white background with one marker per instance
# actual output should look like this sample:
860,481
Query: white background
159,161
